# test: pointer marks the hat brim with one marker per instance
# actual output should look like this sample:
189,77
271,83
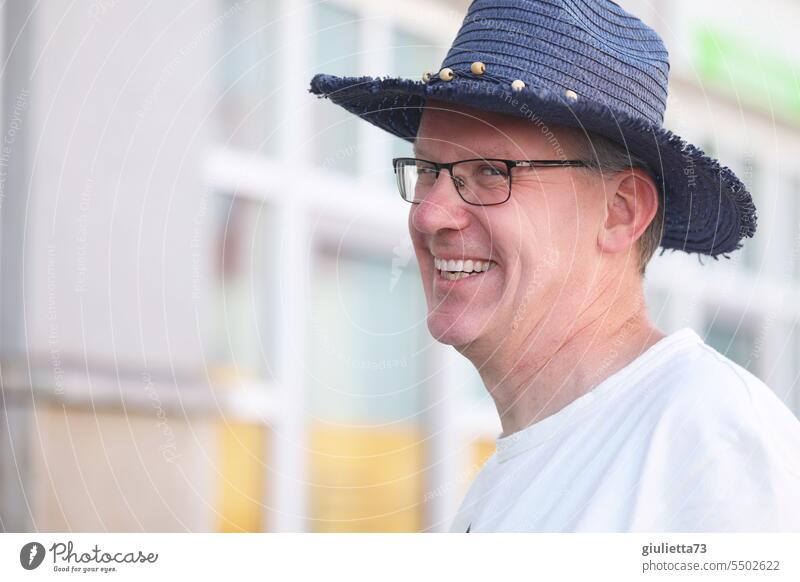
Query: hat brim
708,210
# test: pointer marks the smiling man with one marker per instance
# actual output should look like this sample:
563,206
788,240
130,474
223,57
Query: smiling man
541,184
533,287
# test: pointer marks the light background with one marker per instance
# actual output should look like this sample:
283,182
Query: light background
211,314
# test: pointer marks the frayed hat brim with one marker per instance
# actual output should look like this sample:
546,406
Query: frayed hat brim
708,210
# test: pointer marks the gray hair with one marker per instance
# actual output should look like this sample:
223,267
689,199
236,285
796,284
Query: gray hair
606,156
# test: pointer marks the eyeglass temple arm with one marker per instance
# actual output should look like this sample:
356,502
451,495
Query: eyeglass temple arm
546,163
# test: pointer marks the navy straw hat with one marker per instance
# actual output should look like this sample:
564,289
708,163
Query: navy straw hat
582,63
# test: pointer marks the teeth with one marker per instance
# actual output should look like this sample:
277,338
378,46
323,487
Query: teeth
458,269
456,275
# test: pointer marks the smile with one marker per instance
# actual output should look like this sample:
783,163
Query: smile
454,269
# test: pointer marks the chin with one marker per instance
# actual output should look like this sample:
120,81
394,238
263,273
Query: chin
453,330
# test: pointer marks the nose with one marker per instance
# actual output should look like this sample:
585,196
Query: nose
442,208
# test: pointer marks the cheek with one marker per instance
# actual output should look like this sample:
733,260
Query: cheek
542,251
561,229
533,232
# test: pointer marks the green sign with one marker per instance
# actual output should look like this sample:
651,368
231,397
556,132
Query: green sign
747,72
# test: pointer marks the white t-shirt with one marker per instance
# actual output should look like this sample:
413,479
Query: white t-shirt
682,439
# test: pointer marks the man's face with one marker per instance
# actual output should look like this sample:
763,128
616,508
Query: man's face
540,244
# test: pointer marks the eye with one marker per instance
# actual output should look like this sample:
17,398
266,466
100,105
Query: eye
426,174
490,171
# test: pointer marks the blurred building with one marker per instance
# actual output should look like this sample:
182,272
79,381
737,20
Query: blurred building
212,318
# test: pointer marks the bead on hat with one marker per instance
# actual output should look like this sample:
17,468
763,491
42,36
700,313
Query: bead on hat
477,68
446,74
518,85
571,95
426,76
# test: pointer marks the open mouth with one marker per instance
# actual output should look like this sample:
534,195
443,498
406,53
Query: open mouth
453,269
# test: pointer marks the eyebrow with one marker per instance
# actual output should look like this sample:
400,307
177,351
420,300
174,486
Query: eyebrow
490,151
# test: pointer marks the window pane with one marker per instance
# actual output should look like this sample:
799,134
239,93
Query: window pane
242,340
794,226
368,332
474,389
794,386
413,54
245,75
751,251
335,138
658,307
733,339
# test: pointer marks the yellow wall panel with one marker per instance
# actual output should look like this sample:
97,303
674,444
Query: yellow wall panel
366,479
242,462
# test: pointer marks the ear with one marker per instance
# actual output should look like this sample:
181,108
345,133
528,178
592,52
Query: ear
631,204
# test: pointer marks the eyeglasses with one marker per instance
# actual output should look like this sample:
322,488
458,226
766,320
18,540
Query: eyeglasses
479,181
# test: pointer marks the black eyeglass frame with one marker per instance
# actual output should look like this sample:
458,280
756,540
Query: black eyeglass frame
439,166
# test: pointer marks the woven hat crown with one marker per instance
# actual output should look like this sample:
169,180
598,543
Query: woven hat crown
594,49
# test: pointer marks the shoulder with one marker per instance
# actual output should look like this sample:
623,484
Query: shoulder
708,389
726,446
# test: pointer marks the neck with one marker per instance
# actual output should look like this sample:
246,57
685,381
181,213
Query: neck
556,362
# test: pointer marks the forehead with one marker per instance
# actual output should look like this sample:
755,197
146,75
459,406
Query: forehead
448,129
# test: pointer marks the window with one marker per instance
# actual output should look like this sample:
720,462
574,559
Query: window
707,144
793,202
751,249
335,141
368,338
248,114
658,306
243,334
733,338
793,400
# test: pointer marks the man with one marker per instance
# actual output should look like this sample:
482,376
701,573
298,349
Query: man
541,184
